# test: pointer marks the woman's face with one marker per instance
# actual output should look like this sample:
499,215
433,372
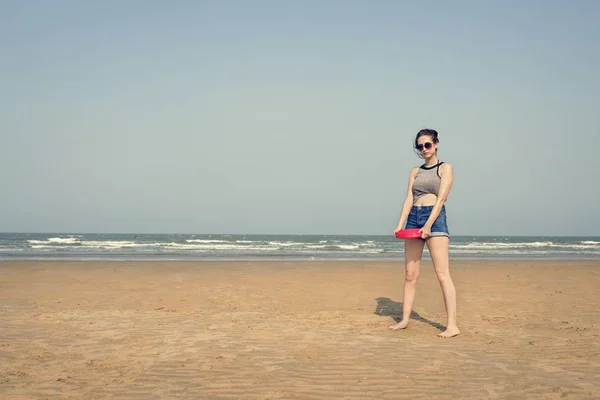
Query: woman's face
426,147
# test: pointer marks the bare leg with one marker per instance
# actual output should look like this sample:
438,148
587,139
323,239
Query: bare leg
413,251
438,248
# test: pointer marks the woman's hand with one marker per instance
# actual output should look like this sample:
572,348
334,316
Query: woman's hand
425,231
398,228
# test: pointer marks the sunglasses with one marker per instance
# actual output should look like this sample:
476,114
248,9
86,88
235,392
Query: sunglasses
427,145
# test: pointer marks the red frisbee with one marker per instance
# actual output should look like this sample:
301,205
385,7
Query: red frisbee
411,233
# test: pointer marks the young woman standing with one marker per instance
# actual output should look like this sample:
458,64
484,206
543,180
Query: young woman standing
424,208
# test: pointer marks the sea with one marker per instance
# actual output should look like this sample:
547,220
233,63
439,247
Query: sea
107,246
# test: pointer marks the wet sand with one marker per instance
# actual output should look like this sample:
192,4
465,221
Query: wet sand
296,330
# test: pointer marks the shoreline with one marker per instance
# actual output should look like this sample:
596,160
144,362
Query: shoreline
185,258
399,263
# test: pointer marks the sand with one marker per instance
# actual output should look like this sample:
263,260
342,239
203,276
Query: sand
296,330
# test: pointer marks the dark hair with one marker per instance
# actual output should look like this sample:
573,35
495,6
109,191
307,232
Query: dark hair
427,132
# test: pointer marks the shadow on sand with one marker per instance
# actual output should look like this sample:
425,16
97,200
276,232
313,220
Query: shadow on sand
388,308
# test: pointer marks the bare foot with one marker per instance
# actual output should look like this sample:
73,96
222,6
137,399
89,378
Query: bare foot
399,325
449,332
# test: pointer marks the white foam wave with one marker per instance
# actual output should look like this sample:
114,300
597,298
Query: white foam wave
107,244
206,241
331,246
213,246
506,245
63,240
348,246
58,240
9,248
524,245
286,244
517,252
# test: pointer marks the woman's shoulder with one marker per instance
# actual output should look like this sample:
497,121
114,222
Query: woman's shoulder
445,167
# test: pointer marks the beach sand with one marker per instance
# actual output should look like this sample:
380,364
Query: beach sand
296,330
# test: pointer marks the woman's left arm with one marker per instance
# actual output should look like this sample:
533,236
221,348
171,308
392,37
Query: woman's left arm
446,175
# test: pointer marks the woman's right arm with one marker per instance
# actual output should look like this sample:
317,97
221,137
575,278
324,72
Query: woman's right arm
408,201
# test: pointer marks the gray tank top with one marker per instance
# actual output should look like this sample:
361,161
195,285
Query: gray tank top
427,180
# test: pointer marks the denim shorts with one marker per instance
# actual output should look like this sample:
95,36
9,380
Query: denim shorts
418,217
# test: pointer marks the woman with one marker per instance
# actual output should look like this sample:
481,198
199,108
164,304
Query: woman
428,188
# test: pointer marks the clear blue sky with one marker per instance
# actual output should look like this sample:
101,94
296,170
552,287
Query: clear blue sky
296,117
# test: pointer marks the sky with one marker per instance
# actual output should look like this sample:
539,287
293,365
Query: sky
296,117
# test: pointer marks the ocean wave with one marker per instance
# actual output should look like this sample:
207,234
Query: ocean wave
285,244
517,252
201,245
104,244
371,251
239,246
206,241
213,246
332,246
503,245
57,240
525,245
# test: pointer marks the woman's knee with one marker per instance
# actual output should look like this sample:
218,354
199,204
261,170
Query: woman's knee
411,275
443,275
